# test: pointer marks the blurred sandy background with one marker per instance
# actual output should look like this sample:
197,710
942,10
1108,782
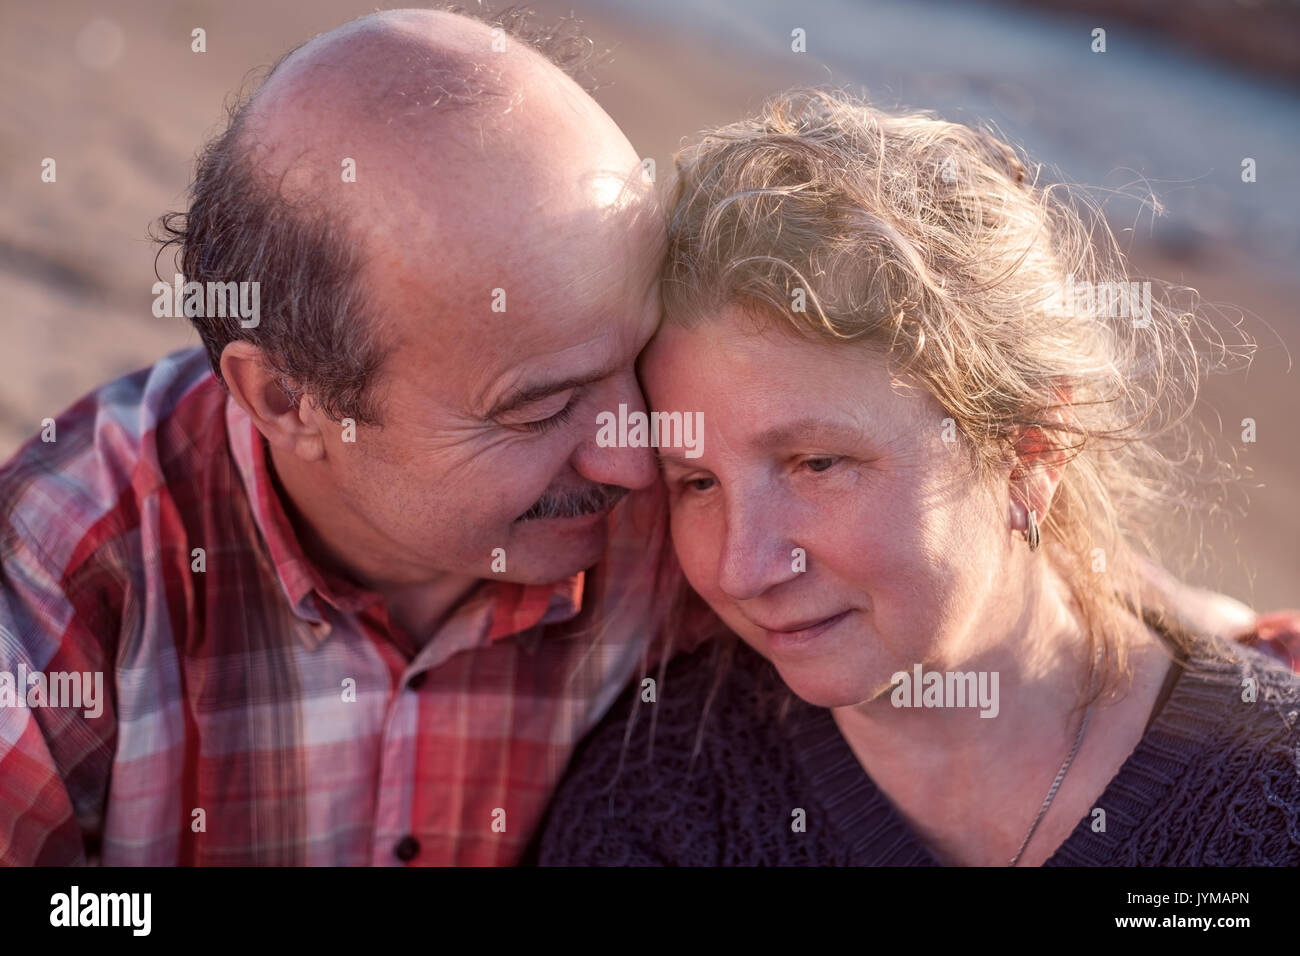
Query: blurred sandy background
1185,91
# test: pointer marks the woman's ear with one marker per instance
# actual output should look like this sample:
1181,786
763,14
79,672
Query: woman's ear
256,389
1041,455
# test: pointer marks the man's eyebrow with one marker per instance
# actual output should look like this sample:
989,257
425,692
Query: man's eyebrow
527,394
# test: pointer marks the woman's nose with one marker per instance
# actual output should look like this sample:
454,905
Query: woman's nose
756,553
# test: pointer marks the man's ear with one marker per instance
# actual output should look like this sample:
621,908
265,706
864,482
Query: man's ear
254,386
1040,459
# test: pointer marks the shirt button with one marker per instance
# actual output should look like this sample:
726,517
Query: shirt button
417,681
407,849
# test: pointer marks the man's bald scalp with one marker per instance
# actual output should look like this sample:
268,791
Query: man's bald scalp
399,77
241,223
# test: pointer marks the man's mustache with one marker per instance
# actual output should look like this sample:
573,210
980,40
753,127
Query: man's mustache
574,503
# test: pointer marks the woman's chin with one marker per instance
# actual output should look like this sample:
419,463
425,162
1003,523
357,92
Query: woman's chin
823,684
830,669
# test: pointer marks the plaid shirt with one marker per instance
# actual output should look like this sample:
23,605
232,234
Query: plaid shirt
256,711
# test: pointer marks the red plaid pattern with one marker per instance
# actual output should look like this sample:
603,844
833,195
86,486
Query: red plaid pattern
229,735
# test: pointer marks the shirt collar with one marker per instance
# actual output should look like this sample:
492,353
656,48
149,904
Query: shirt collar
514,608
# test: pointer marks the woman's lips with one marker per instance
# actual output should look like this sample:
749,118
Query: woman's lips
800,633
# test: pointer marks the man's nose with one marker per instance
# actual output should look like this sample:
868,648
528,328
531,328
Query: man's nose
617,463
756,554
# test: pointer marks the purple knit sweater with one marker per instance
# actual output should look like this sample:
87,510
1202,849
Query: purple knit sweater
1215,781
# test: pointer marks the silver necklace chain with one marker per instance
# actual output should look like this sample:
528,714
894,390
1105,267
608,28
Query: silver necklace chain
1056,784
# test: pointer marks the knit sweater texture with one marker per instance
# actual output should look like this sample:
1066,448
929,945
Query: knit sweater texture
1214,781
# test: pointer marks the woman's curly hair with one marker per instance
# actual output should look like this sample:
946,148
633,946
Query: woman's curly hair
937,245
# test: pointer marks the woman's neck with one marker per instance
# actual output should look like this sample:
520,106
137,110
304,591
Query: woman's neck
971,786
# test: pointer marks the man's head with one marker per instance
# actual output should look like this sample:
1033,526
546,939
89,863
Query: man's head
457,250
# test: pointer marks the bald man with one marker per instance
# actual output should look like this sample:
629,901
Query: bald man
356,575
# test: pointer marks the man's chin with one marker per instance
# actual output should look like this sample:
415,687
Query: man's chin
551,549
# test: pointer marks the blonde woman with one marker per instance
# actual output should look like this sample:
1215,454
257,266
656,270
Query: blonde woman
939,422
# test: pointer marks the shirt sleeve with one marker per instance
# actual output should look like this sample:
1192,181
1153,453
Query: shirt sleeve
54,760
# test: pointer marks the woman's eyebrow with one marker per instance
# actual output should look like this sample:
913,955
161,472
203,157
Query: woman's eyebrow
803,429
780,436
670,458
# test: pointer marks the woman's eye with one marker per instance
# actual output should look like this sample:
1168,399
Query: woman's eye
698,484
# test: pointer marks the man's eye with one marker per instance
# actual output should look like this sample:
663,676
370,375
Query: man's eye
561,417
544,413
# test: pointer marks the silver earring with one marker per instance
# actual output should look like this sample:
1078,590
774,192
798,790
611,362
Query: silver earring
1031,532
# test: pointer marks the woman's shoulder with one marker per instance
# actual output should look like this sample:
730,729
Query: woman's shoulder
648,784
1228,677
1236,677
1228,742
712,693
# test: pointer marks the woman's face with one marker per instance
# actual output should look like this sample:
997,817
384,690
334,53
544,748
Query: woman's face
807,446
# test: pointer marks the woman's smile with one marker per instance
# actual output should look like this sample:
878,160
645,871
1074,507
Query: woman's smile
799,636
